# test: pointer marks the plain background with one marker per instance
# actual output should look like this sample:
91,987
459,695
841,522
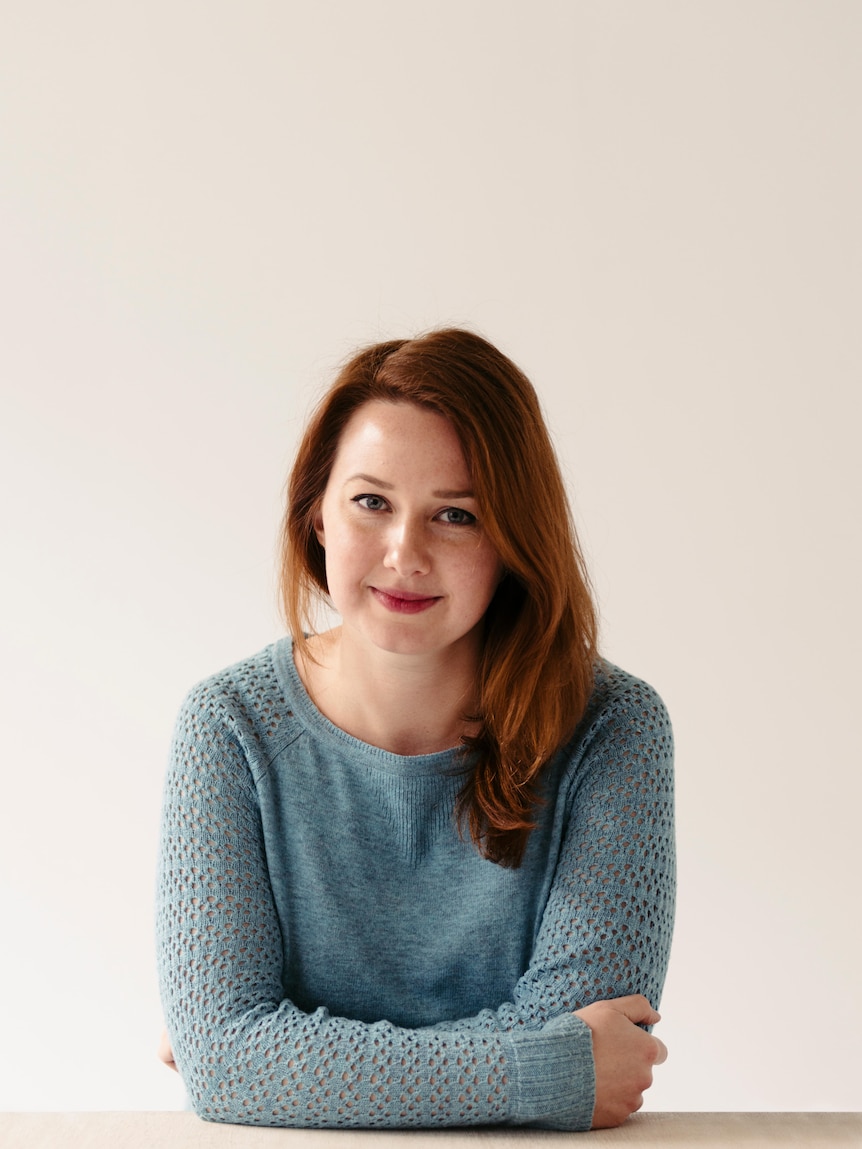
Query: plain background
654,208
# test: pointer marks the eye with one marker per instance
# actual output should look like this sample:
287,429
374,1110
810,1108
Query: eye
456,517
370,502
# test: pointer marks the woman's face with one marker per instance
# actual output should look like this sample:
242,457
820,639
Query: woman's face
408,564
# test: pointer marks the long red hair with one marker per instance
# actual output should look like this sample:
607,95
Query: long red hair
536,670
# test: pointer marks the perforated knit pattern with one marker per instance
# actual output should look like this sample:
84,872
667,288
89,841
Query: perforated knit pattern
592,905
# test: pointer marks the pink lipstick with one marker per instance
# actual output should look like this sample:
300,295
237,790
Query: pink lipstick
404,601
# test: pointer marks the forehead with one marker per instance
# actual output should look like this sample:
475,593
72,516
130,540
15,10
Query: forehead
404,436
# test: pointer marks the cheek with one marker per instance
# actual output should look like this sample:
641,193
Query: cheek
347,552
483,574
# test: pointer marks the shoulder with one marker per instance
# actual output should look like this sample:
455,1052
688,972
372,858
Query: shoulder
237,687
625,729
246,702
621,697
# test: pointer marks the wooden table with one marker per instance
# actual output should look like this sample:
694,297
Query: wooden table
185,1131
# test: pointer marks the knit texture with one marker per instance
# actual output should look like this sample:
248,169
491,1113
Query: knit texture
333,954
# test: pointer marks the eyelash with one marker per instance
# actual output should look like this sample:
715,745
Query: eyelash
468,519
360,500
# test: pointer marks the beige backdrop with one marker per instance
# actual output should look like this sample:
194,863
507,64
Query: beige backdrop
653,206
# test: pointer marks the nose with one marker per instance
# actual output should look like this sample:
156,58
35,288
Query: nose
406,550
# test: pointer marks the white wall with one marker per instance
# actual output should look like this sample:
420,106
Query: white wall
654,208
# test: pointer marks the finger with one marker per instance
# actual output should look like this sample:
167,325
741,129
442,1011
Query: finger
165,1053
661,1056
637,1009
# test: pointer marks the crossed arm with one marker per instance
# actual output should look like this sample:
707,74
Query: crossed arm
568,1051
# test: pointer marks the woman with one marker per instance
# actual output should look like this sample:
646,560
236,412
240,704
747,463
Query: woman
418,869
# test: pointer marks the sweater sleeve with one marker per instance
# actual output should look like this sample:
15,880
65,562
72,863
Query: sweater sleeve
249,1056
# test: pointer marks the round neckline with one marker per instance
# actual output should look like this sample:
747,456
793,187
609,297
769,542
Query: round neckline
447,761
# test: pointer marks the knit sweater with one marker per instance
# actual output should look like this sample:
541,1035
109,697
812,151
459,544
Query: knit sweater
332,952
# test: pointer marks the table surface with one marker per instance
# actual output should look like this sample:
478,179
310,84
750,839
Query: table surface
704,1130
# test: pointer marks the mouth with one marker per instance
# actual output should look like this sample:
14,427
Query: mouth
404,601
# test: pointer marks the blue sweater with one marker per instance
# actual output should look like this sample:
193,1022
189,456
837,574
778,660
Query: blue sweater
332,953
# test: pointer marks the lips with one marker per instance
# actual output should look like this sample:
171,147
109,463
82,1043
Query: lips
404,601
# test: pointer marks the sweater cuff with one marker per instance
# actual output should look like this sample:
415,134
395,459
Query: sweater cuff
556,1075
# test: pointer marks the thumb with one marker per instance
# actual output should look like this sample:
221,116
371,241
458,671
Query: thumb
636,1008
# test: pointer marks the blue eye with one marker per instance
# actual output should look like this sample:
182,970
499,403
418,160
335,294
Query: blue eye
457,517
370,502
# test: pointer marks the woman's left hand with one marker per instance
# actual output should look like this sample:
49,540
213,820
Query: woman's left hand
166,1054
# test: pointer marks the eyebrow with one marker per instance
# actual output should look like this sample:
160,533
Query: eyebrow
441,494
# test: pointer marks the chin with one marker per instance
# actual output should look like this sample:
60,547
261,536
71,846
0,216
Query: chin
404,644
410,640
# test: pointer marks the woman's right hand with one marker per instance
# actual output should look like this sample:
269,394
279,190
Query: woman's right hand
624,1055
166,1054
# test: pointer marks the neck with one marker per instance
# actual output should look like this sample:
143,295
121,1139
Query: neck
402,703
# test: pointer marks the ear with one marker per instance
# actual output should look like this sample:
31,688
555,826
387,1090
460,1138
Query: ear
318,527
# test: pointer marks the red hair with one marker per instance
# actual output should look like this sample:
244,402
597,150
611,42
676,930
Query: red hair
535,673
